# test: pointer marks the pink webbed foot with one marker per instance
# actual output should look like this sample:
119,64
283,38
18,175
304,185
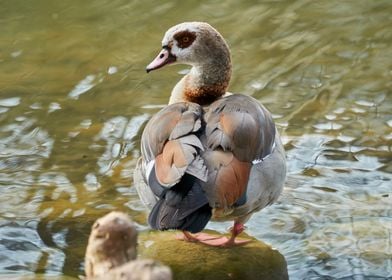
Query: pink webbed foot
216,241
226,242
198,237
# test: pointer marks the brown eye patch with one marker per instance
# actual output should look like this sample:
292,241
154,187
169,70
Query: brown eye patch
185,38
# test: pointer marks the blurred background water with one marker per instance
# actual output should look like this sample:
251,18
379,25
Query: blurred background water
74,98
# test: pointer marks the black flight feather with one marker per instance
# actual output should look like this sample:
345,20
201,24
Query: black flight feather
183,206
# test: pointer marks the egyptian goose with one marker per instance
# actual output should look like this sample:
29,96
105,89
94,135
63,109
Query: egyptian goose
209,154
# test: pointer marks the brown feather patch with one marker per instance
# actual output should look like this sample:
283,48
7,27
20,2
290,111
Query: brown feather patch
204,94
169,162
166,122
231,182
243,132
228,178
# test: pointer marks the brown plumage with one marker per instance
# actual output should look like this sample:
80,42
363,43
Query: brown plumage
227,180
209,154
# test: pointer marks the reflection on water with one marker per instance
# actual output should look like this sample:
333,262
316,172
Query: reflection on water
74,97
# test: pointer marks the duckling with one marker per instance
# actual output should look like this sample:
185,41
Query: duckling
112,250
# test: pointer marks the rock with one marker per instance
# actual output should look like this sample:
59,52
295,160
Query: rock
255,260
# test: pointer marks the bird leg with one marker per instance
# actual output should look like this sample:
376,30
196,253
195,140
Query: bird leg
218,241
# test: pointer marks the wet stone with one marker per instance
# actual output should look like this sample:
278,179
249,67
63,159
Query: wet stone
255,260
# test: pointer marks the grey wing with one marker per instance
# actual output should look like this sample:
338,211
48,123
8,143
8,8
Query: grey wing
170,145
146,195
171,172
266,181
239,131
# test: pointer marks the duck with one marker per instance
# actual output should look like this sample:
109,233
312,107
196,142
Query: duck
111,252
209,155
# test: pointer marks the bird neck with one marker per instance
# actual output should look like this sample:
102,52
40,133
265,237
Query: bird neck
204,83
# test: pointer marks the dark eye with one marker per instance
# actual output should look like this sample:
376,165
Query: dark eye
185,38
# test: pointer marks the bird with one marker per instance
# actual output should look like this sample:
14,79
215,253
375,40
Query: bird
209,154
111,252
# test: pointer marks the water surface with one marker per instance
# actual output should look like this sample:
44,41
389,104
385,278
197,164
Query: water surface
74,97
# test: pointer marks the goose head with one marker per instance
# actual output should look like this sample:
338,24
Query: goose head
200,45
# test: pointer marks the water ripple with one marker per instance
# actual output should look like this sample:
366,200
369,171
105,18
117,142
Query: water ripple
75,96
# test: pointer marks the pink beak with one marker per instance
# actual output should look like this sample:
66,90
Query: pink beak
163,58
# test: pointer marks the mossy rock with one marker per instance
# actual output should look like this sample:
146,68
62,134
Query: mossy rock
255,260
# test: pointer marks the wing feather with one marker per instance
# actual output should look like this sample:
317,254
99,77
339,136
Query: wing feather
238,131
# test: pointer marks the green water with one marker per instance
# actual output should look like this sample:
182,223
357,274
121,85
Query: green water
74,97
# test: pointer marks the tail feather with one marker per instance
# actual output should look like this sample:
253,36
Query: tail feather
183,206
